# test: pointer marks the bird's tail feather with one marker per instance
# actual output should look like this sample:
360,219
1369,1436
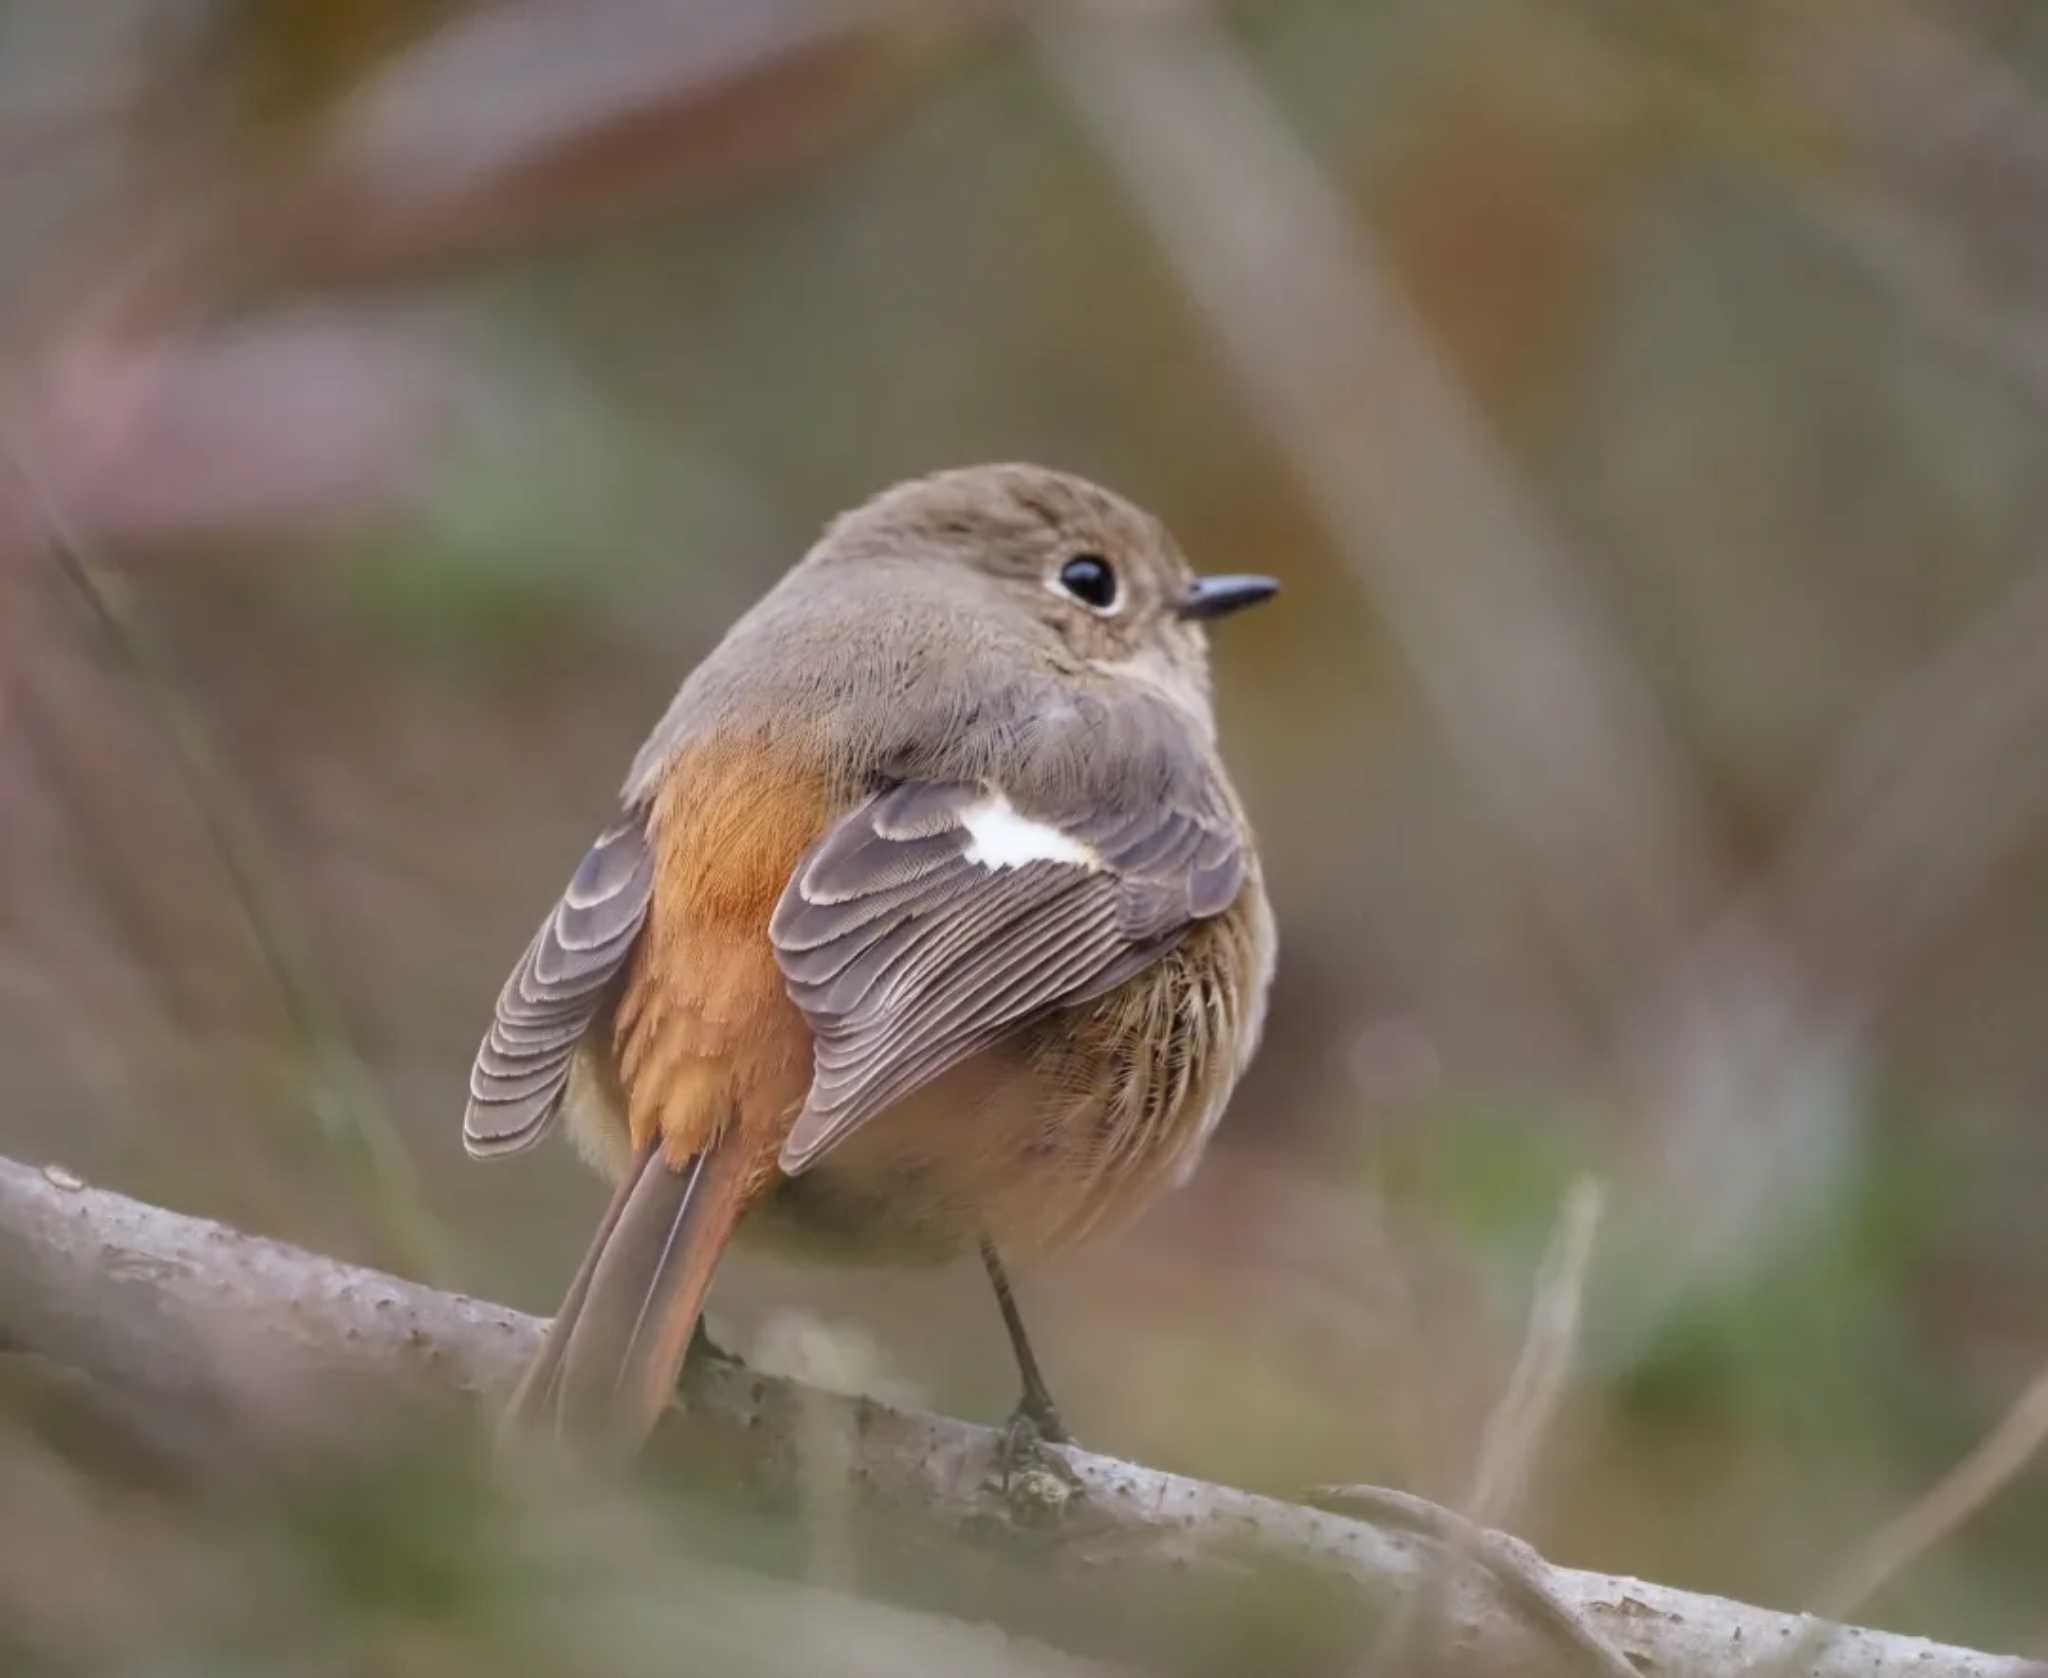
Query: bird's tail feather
609,1364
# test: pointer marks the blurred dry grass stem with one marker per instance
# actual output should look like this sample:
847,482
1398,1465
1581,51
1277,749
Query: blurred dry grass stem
1878,864
1939,210
342,1093
2004,1453
1514,1431
1531,690
1507,1455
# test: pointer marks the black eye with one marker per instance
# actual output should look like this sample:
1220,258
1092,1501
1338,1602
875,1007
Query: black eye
1088,578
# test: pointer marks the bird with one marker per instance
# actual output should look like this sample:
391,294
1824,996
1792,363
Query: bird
930,923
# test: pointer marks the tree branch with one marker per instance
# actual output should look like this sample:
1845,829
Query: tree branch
1122,1560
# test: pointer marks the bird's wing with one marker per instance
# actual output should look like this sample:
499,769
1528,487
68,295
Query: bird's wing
556,992
938,917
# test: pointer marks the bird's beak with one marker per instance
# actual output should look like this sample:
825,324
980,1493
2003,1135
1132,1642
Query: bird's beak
1212,597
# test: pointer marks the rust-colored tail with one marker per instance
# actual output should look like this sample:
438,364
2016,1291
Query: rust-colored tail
609,1364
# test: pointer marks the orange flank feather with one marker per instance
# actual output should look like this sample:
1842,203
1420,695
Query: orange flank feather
706,1037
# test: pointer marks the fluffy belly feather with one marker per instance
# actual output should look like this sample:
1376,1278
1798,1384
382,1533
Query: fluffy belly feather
1076,1125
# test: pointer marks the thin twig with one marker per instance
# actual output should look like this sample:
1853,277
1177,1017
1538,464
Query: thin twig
1510,1563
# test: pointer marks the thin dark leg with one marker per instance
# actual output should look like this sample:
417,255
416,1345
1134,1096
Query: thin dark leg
1036,1406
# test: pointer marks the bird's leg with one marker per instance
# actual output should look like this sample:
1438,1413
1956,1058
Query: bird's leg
1036,1416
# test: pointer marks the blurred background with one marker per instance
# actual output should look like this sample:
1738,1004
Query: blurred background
1643,405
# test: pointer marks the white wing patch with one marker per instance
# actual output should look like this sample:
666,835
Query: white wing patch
1002,837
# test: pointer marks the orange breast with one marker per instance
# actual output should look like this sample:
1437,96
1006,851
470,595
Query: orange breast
706,1037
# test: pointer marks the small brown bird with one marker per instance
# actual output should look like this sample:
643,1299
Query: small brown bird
932,920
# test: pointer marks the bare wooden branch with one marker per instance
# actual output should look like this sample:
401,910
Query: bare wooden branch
1112,1563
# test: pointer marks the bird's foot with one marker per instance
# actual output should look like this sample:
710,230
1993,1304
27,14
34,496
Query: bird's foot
1037,1412
1037,1481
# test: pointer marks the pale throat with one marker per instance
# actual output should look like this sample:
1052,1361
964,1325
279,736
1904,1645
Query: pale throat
1165,678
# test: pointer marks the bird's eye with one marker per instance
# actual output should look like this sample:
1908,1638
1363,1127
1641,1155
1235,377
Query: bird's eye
1089,579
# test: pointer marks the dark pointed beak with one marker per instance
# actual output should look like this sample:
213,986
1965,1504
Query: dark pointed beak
1212,597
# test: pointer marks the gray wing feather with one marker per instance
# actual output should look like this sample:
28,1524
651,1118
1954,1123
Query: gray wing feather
556,992
906,956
